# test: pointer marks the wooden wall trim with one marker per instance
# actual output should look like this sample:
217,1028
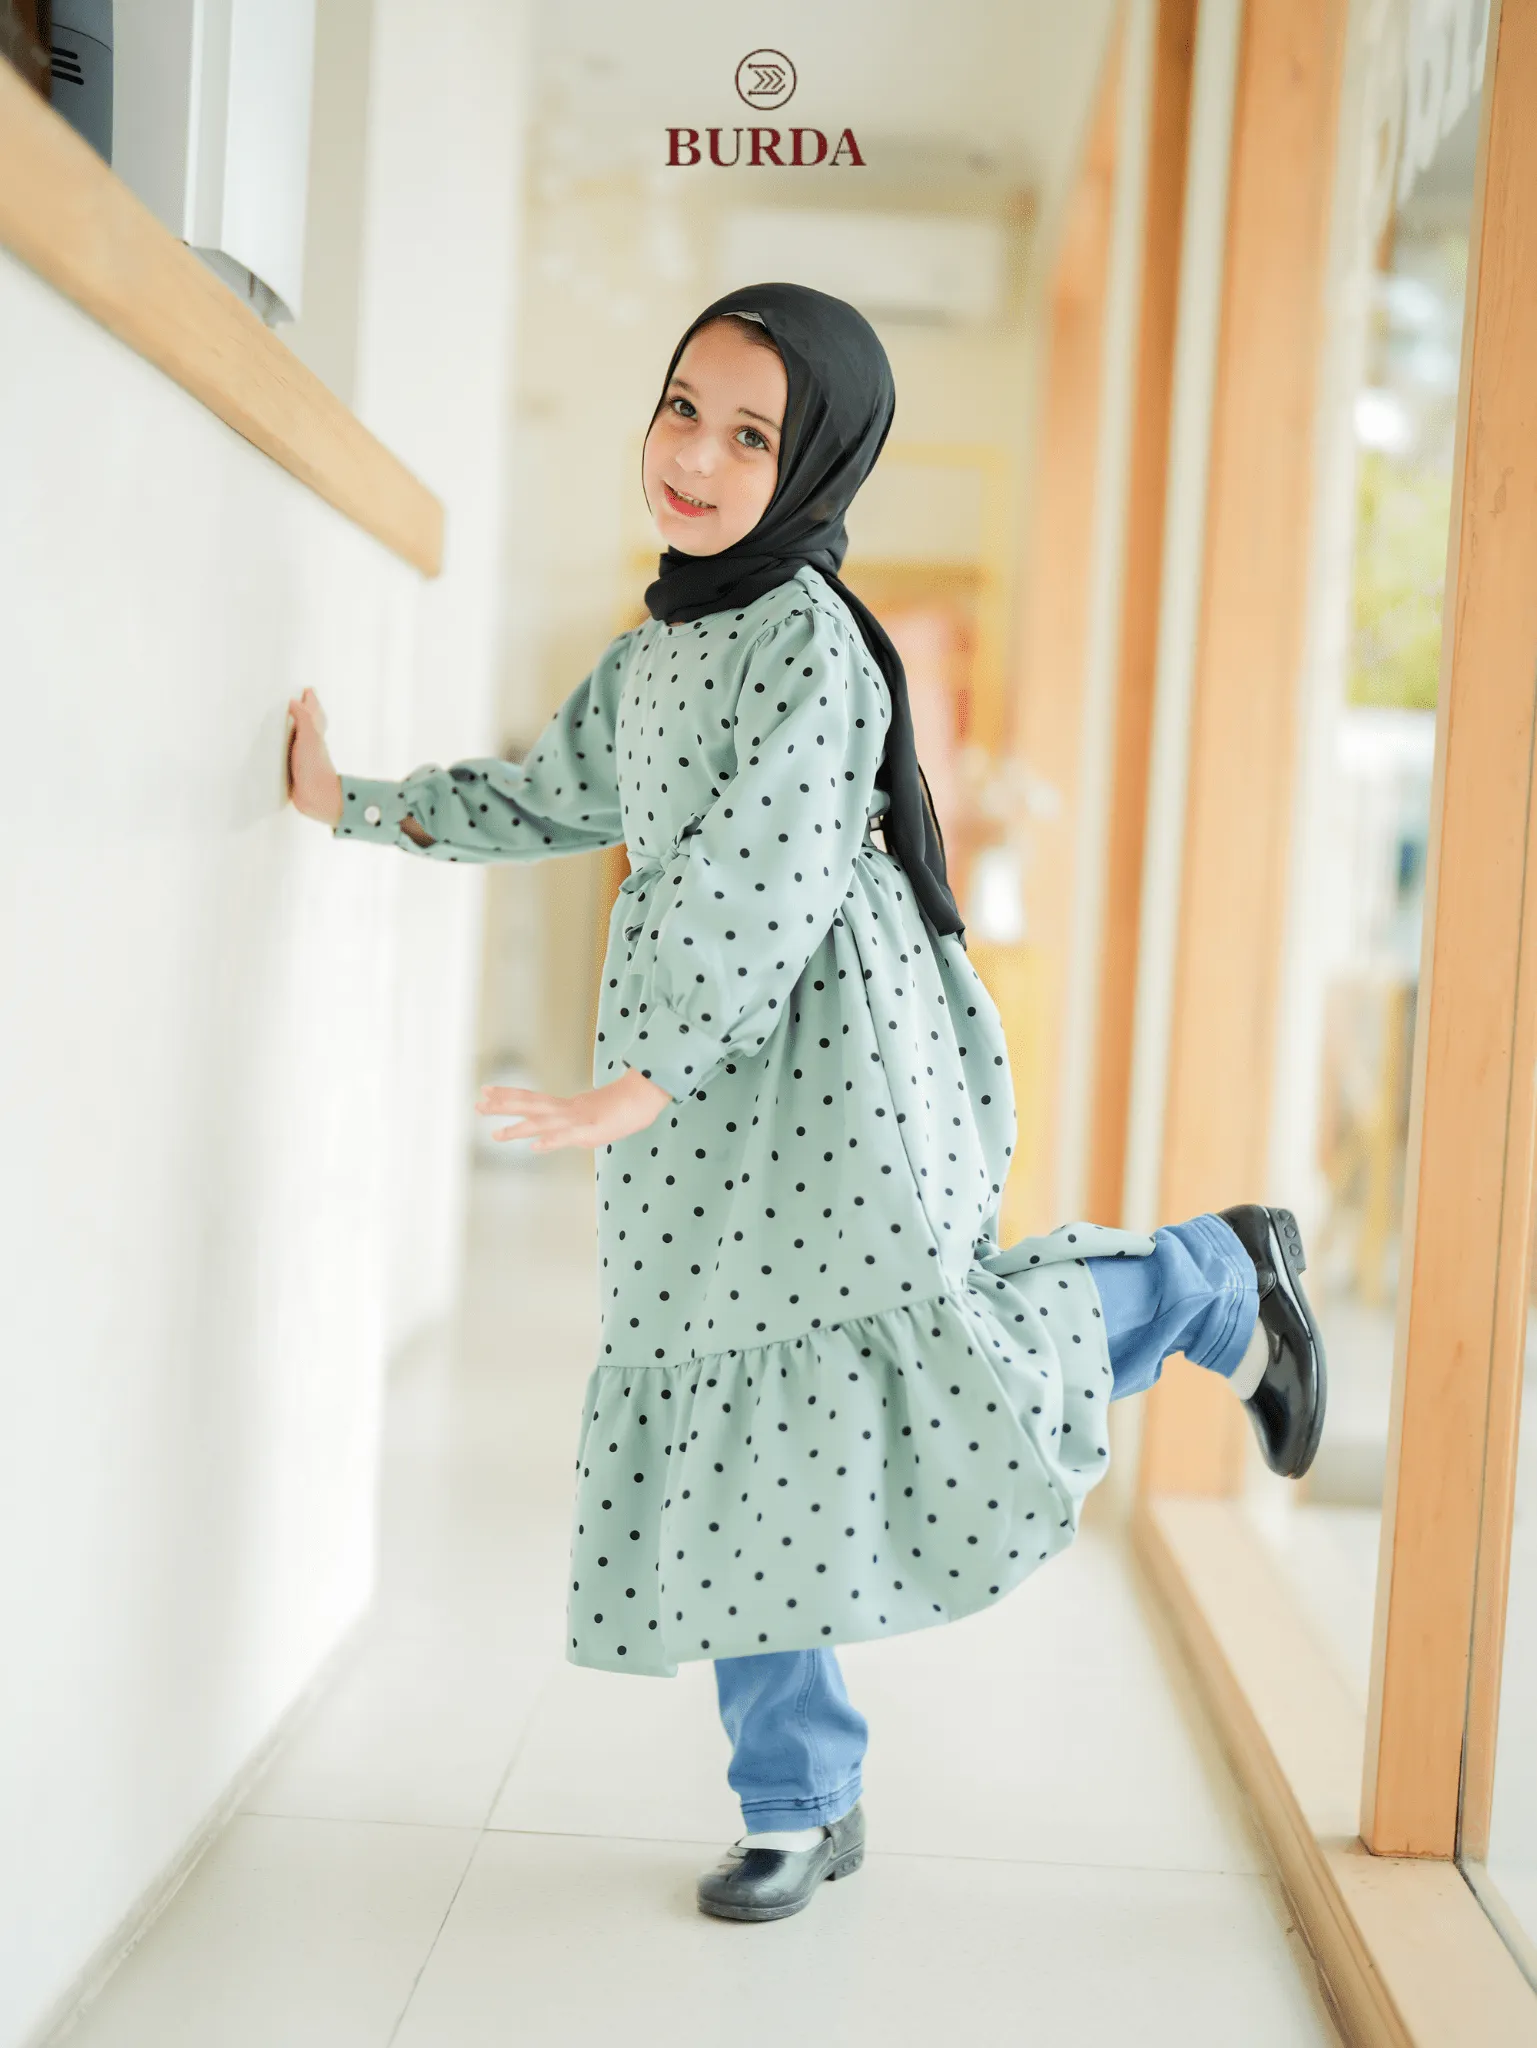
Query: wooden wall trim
1248,664
68,218
1137,662
1408,1956
1468,1204
1045,729
1502,1427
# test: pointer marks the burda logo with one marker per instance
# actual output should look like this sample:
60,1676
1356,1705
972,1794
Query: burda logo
765,79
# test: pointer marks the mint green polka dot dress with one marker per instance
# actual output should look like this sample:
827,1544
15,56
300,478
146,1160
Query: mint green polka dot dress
828,1405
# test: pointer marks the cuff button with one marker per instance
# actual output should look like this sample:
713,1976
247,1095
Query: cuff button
372,815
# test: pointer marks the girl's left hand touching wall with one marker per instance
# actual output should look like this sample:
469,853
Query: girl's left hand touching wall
598,1116
313,782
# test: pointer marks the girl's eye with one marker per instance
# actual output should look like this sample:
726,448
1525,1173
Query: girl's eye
683,408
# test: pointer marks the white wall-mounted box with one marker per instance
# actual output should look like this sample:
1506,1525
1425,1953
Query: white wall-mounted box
211,127
929,267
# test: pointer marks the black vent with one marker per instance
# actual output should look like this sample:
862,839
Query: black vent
66,67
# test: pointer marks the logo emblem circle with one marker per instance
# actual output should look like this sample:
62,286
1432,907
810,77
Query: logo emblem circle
765,79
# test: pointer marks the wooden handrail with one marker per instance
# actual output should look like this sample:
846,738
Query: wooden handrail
66,216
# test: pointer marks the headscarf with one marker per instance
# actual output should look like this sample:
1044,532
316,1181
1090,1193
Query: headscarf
837,416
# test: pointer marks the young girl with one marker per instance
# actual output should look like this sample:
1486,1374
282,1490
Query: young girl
829,1406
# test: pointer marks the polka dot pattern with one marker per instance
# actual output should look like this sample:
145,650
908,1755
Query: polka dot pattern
828,1406
889,1473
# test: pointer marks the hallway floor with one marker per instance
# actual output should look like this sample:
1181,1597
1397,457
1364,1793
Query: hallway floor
470,1842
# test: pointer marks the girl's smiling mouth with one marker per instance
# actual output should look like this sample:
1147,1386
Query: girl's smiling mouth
691,508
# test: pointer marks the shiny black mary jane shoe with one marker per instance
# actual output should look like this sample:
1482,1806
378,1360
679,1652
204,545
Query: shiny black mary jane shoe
771,1884
1287,1407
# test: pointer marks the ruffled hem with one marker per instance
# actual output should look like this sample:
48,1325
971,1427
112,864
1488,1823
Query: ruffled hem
889,1473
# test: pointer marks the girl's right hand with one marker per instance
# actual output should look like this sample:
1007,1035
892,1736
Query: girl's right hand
314,786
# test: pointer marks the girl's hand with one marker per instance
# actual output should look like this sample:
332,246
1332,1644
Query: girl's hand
313,783
599,1116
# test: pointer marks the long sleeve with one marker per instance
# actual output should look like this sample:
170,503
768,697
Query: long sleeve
734,918
564,798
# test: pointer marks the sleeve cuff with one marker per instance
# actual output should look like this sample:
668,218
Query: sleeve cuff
373,810
677,1055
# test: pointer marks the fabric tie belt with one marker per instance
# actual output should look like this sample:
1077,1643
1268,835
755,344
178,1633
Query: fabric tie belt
645,867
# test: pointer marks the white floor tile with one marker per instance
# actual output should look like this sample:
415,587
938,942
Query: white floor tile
419,1729
1329,1554
585,1942
606,1754
1059,1854
1018,1733
1047,1774
491,1581
289,1934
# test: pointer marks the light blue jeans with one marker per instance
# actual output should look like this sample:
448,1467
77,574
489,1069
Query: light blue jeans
797,1743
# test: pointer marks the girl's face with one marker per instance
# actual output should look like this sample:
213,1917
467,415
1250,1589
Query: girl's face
712,456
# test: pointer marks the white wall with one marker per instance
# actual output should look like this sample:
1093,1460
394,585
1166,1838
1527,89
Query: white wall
434,368
415,223
235,1056
194,1087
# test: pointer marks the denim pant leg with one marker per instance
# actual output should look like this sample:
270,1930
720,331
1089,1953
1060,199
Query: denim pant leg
1196,1293
796,1743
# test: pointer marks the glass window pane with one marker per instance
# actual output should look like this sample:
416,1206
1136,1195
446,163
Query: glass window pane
1409,139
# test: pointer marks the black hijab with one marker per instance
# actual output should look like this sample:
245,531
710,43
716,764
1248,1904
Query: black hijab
837,416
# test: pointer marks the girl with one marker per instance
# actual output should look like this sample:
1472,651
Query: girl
829,1405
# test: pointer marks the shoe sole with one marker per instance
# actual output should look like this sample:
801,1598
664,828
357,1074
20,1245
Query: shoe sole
1288,1241
845,1866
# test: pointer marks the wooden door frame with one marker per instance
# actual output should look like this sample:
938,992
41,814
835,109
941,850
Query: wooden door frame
1163,213
1043,727
1248,666
1407,1951
1469,1195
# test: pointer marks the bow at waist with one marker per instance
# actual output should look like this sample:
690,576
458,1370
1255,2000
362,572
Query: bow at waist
645,867
645,863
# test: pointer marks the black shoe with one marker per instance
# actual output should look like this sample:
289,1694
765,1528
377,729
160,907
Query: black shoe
771,1884
1287,1407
